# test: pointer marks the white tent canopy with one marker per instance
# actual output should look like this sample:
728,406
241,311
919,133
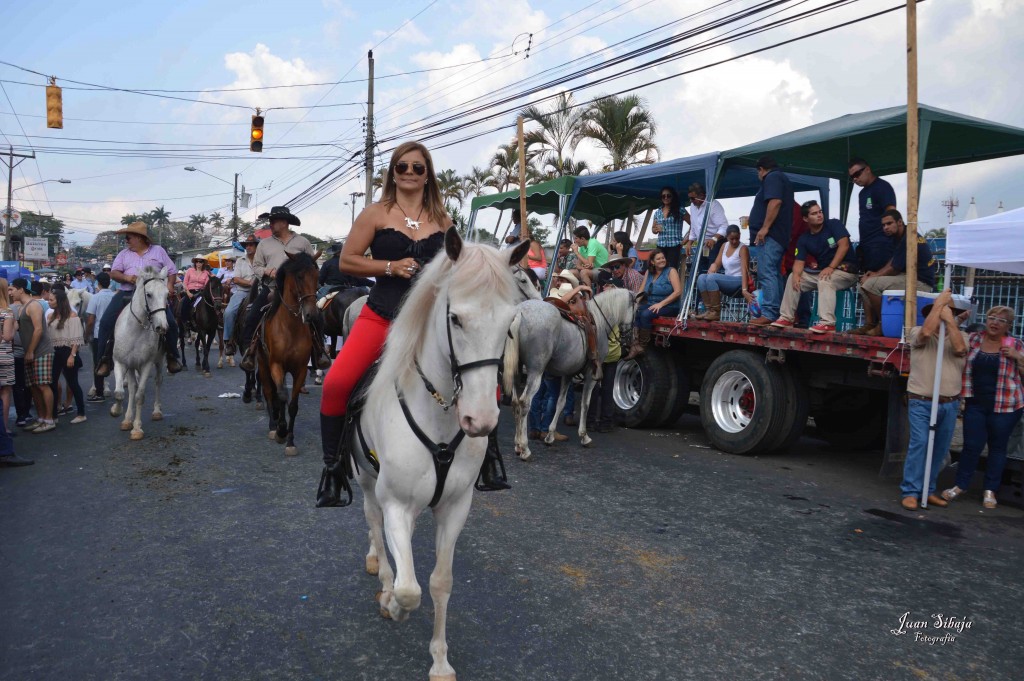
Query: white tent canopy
995,242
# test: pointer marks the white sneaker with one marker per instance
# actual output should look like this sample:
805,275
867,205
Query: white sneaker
79,419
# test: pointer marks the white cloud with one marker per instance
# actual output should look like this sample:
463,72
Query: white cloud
260,68
582,45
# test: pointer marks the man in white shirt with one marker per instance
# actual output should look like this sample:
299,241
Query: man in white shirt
93,313
717,222
242,279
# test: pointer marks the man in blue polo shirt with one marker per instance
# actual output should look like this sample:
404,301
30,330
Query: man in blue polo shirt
771,220
876,196
824,261
892,276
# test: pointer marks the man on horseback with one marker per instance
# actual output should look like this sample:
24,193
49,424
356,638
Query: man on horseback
403,232
241,283
195,279
333,279
270,255
140,252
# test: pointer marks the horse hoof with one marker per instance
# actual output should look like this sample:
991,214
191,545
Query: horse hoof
246,398
280,440
259,405
385,614
525,454
206,374
158,416
272,435
372,565
231,361
137,435
126,425
115,410
549,439
442,677
318,381
291,451
586,441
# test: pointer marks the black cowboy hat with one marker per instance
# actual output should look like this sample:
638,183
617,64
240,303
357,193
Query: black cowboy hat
250,239
334,248
280,213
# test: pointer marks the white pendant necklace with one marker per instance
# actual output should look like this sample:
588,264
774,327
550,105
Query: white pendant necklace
409,222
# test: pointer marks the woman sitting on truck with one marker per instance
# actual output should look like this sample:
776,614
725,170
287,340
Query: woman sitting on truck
663,289
729,274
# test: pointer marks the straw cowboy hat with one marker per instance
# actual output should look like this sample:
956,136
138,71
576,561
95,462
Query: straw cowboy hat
569,276
621,260
281,213
200,258
138,228
562,290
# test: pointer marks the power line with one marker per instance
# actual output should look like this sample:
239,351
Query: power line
175,123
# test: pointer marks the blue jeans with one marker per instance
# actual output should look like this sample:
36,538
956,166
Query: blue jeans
234,303
645,318
542,409
730,286
983,425
769,277
920,414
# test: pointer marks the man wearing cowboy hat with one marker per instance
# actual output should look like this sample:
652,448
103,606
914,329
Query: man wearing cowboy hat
332,278
621,268
924,349
270,255
81,283
241,284
140,252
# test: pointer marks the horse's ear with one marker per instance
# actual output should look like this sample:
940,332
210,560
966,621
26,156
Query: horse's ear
453,243
640,297
518,253
163,273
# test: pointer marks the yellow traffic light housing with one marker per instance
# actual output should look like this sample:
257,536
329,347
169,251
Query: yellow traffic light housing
54,106
256,134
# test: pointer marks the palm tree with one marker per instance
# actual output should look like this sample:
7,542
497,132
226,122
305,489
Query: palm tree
576,168
450,185
477,180
378,180
196,223
505,166
159,218
216,219
561,129
624,128
132,217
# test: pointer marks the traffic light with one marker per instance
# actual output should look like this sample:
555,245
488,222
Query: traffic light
256,134
54,107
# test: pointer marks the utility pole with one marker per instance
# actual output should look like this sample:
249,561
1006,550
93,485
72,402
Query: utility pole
11,165
352,199
234,212
524,229
369,134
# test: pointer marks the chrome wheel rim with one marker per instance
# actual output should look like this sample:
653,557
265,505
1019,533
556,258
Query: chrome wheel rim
629,385
733,401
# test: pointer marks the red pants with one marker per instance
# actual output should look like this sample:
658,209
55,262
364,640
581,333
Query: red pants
361,349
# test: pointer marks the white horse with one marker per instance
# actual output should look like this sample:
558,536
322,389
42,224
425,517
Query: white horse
544,342
450,334
138,349
79,299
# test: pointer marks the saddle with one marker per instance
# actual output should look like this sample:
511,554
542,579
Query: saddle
325,301
578,314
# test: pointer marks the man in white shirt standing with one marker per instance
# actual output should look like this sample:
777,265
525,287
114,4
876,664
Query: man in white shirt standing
717,222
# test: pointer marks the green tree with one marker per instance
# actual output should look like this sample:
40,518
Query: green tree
937,233
216,219
477,180
560,129
36,225
197,222
450,185
107,243
378,181
624,128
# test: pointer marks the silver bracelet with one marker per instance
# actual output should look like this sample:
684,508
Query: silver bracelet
387,269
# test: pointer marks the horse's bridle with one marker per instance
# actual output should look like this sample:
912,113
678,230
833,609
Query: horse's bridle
516,270
297,312
148,324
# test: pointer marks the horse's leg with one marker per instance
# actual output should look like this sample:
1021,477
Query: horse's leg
158,379
207,337
377,562
220,348
521,411
281,399
115,408
398,526
140,400
131,382
562,393
449,519
588,388
268,396
293,409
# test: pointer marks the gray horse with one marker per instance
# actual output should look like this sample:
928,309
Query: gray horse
542,341
139,348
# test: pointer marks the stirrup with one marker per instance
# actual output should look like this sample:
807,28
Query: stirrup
492,477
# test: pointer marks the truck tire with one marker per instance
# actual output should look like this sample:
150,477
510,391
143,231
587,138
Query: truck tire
678,398
741,400
798,404
642,387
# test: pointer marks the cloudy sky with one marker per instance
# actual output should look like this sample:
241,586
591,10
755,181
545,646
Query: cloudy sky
463,50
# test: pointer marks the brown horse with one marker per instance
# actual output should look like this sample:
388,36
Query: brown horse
286,344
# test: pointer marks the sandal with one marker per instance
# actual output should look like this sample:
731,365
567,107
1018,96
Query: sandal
952,493
988,500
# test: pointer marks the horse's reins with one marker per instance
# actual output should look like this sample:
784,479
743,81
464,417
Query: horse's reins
148,324
442,453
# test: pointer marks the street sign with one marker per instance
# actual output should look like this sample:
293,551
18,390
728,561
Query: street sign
15,218
62,259
36,248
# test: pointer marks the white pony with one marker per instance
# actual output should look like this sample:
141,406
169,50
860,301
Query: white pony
138,348
544,342
450,333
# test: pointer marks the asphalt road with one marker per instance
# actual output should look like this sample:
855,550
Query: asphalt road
197,554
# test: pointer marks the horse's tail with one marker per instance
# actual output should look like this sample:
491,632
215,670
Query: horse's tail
511,368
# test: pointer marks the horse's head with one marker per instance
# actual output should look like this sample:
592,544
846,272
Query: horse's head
297,283
150,298
527,282
216,291
482,295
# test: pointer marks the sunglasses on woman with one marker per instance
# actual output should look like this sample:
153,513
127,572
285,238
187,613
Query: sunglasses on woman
402,168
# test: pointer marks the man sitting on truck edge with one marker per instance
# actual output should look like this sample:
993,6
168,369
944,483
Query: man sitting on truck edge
876,196
891,276
771,220
590,255
924,344
824,261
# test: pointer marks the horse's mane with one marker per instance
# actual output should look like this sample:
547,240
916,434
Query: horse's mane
145,274
294,266
480,270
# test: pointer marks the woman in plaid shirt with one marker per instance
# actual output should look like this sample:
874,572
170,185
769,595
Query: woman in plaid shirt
994,402
668,225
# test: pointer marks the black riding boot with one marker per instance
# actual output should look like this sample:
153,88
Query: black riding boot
334,478
106,362
492,472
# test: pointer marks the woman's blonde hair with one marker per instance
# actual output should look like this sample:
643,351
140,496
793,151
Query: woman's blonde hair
432,201
1001,311
5,298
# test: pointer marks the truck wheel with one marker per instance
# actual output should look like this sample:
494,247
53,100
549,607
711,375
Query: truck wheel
678,398
741,400
798,404
642,387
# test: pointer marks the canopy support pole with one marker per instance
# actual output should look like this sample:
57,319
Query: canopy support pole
643,228
913,169
471,228
691,280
